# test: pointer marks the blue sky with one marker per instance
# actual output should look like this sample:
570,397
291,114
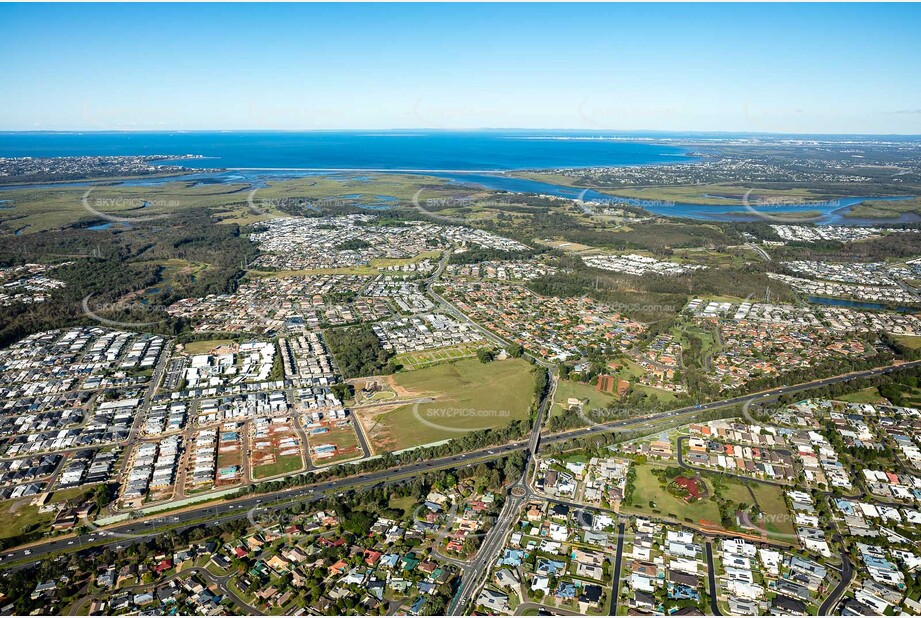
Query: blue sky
819,68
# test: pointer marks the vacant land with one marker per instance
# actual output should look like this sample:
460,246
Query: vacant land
204,347
908,341
20,518
468,395
345,191
339,434
569,389
866,395
283,464
275,449
649,498
566,246
772,504
673,235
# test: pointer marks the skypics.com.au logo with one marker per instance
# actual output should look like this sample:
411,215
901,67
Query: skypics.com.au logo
121,307
430,207
102,207
269,206
604,202
440,418
782,209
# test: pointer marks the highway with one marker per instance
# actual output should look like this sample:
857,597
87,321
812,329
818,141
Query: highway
133,531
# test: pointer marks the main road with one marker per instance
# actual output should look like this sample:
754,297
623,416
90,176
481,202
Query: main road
132,531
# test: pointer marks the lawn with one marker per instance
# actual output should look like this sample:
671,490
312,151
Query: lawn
909,341
283,464
660,394
468,395
772,504
382,396
406,503
204,347
20,517
647,489
866,395
567,389
777,520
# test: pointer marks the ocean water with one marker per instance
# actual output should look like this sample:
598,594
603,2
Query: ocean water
354,150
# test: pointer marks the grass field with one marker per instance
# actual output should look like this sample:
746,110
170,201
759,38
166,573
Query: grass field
426,358
344,189
673,235
629,369
282,465
647,489
909,341
468,395
772,504
385,262
204,347
405,503
734,491
20,517
566,246
567,389
382,396
866,395
707,257
659,393
776,520
175,268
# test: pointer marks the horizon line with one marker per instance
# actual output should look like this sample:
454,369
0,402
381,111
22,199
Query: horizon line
614,132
